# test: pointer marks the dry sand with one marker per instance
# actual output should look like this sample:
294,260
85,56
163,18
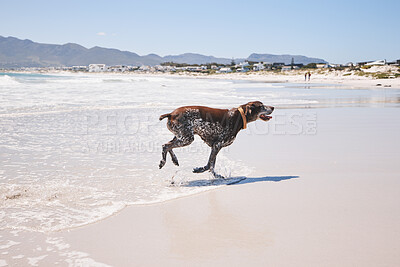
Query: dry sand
342,78
328,197
348,78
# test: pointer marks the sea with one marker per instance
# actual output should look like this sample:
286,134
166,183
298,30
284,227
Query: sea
76,148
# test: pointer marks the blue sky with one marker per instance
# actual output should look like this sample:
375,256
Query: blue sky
337,31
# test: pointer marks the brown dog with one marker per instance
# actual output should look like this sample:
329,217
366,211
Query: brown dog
216,127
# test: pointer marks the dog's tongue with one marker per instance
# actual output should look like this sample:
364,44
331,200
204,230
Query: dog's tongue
265,117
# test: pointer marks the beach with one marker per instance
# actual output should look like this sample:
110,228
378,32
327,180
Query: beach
352,78
80,184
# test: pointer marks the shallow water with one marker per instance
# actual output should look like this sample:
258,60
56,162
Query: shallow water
76,148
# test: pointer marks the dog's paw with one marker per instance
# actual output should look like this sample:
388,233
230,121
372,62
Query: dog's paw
200,169
162,163
217,176
175,161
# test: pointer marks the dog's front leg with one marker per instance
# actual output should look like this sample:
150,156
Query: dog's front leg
211,161
213,158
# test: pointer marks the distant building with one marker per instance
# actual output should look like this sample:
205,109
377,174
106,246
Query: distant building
144,68
377,63
328,65
290,67
224,70
298,65
79,68
166,68
278,64
268,65
396,62
160,68
97,67
117,68
195,68
242,70
242,65
258,66
363,63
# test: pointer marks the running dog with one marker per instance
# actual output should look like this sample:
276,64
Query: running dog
216,127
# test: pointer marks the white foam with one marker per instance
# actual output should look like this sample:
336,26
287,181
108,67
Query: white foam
20,256
35,260
7,80
9,244
72,257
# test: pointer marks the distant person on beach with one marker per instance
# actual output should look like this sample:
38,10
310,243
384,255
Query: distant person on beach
307,75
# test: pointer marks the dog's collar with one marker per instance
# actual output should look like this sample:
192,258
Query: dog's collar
243,117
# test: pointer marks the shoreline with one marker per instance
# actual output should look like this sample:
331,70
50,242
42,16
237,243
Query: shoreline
342,78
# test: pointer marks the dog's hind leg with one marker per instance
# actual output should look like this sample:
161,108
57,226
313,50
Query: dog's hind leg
174,143
165,149
173,157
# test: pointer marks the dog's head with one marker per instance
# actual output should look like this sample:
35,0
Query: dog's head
257,110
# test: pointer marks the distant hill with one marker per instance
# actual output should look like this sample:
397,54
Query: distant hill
25,53
16,53
191,58
287,59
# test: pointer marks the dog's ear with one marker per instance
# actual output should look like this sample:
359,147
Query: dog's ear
247,109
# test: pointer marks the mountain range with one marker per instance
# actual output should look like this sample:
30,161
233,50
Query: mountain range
15,53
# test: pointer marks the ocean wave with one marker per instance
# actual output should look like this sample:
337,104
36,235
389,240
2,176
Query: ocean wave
8,80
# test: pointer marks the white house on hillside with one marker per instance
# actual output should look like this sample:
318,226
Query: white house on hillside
242,65
259,66
144,68
378,63
117,68
97,67
224,70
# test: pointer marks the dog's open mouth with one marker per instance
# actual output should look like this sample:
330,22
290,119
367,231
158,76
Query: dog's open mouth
265,117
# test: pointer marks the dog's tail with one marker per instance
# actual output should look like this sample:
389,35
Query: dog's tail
165,116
